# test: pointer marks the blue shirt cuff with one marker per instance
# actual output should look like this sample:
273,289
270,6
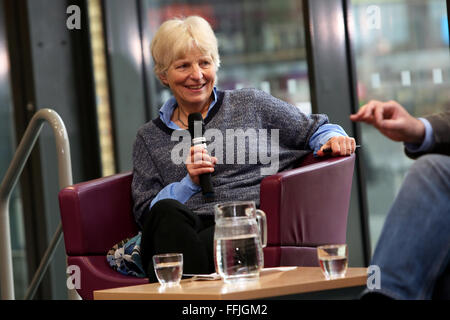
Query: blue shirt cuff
187,181
427,142
323,134
181,191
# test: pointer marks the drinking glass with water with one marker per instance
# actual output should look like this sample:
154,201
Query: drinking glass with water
333,260
239,237
168,268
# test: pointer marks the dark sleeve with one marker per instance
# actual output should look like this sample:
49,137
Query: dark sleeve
146,182
440,122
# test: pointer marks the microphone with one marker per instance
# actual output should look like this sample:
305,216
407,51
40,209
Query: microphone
196,129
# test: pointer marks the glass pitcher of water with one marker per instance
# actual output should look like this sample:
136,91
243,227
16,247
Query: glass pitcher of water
239,237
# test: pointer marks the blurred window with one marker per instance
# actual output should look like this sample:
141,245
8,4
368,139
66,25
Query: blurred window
402,53
261,44
7,149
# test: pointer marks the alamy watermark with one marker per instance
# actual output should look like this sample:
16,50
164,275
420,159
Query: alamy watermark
74,20
373,21
373,277
74,278
240,146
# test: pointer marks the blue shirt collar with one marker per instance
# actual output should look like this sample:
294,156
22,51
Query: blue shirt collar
165,113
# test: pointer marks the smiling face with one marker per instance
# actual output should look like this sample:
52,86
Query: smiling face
191,80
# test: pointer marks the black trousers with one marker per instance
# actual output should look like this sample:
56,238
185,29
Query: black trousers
171,227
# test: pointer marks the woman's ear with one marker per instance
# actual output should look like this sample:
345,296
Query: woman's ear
163,79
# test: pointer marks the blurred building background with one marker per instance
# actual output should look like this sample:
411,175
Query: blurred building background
322,56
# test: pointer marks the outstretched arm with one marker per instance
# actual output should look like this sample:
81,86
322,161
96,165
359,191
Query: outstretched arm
392,120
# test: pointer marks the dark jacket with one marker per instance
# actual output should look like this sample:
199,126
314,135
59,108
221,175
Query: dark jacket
441,132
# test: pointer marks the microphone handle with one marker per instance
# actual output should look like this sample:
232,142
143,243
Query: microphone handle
206,184
205,178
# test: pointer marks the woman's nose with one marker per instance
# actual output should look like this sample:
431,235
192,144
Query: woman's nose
196,72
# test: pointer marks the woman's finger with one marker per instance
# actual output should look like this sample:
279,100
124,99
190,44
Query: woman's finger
349,147
201,170
324,147
198,153
200,164
335,147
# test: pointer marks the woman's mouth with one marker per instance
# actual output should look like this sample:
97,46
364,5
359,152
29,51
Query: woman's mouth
196,87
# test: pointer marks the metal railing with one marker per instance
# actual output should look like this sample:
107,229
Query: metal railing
9,182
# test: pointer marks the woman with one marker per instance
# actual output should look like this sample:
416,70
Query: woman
168,204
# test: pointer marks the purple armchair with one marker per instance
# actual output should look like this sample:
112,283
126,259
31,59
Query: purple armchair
305,207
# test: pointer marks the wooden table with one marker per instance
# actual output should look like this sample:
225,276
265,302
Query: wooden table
273,282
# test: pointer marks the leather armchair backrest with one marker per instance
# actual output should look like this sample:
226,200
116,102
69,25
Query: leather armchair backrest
97,214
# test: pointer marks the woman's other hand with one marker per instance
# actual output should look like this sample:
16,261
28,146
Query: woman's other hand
338,146
199,162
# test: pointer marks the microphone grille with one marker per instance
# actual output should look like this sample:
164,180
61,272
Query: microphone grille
197,116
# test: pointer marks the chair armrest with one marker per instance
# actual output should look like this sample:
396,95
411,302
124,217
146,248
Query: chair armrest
308,206
97,214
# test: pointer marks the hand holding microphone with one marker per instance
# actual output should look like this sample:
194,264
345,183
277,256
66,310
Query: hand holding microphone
200,164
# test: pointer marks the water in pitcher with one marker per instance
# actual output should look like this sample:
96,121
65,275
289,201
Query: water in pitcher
238,250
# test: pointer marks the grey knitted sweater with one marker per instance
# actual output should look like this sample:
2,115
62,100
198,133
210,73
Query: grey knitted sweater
236,176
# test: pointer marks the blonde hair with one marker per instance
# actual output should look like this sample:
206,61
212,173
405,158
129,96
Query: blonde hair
177,36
